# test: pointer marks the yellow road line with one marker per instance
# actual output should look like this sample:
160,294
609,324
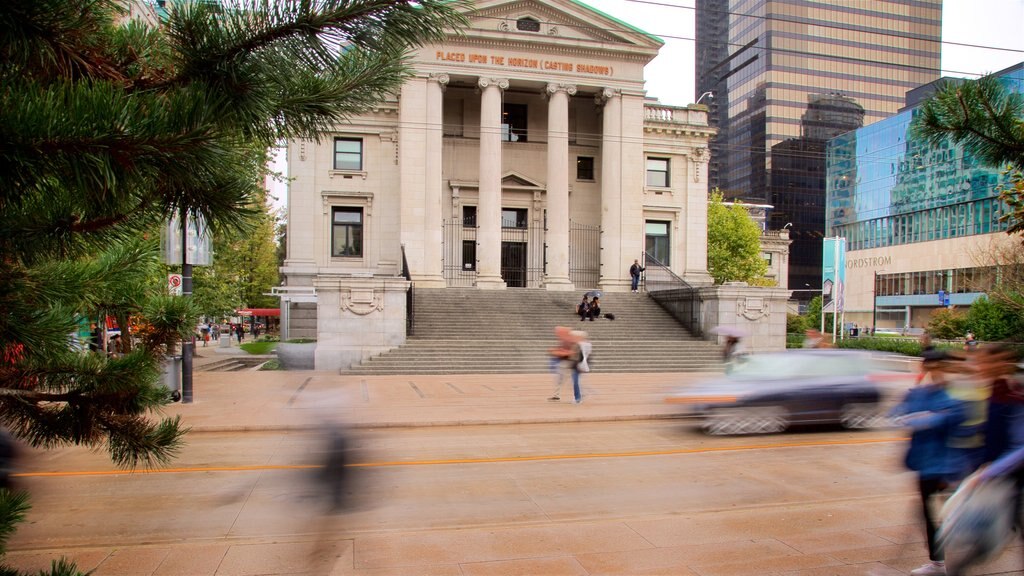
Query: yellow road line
397,463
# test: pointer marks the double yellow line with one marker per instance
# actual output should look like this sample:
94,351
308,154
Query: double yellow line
457,461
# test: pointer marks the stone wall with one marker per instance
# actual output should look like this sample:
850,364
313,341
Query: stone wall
760,313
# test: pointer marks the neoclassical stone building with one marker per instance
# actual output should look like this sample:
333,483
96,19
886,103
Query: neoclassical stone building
524,153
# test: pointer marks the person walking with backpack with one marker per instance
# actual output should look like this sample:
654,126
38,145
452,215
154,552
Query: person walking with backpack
634,273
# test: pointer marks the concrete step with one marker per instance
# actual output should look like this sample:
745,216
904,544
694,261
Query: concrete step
469,331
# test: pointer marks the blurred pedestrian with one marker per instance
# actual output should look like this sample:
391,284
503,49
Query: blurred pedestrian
931,414
634,275
814,339
240,332
334,489
731,351
579,362
560,354
970,343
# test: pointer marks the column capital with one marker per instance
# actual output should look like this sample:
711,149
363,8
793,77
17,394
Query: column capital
501,83
439,77
606,94
554,87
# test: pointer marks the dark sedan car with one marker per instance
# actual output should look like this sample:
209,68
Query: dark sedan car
766,393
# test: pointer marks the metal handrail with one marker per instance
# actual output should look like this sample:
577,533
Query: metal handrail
675,295
410,311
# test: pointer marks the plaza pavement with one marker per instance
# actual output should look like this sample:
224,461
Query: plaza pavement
790,540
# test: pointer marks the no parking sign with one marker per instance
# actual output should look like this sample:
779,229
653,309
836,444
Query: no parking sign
174,284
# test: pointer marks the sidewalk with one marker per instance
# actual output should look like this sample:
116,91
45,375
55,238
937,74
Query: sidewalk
284,400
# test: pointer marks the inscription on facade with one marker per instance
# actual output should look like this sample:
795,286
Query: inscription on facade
868,262
522,62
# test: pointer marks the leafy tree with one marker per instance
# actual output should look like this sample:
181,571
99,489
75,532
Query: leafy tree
994,321
986,117
947,323
107,126
734,243
797,324
245,267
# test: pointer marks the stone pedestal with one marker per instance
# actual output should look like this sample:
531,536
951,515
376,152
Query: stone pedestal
760,313
358,318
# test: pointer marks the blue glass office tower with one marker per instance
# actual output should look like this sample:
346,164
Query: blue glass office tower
917,217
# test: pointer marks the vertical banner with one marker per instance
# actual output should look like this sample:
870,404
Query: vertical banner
833,280
200,242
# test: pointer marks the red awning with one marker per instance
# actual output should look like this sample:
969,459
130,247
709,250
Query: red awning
259,312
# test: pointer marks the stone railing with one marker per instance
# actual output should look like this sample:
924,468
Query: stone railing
692,115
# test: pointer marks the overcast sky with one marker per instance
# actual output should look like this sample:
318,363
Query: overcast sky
671,76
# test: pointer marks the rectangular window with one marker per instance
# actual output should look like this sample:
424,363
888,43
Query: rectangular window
657,240
513,217
657,172
584,168
348,154
469,216
469,255
513,122
347,232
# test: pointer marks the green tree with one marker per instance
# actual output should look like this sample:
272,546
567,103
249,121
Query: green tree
107,126
992,320
947,323
245,267
734,244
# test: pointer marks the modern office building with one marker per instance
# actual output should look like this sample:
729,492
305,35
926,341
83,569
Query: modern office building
769,70
712,55
523,152
918,219
798,184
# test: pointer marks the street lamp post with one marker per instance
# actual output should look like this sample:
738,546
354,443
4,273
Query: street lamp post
709,94
874,302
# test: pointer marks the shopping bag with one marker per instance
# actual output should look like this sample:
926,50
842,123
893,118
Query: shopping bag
978,522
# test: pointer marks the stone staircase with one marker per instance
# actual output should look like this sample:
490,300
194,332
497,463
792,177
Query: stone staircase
235,363
468,331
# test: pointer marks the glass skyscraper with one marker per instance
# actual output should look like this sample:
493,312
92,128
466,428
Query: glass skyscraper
782,51
912,213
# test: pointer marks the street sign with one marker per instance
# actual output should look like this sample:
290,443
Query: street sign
174,284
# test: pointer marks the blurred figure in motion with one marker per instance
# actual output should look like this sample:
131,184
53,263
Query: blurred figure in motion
931,414
334,492
579,361
560,354
731,352
815,339
9,453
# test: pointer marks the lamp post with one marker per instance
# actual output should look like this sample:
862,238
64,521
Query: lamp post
874,301
709,94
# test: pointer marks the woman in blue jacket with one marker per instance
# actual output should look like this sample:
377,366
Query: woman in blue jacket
932,417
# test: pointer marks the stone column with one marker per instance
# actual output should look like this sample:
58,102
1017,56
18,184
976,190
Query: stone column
433,263
557,237
611,188
488,212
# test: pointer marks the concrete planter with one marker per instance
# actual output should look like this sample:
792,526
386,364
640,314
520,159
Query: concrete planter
296,356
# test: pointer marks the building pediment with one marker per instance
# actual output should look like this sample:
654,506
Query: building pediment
546,21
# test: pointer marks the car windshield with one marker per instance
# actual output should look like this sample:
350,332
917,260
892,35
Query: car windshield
798,365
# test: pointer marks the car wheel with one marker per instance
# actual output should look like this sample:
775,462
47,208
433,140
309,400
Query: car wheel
861,416
753,420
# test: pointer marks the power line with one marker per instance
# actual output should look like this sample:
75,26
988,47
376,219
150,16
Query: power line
820,24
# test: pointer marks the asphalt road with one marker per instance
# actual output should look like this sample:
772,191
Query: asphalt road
258,484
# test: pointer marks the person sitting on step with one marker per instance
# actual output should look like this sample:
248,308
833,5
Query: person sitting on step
583,308
595,309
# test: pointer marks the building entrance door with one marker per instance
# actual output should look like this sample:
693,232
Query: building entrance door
513,264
